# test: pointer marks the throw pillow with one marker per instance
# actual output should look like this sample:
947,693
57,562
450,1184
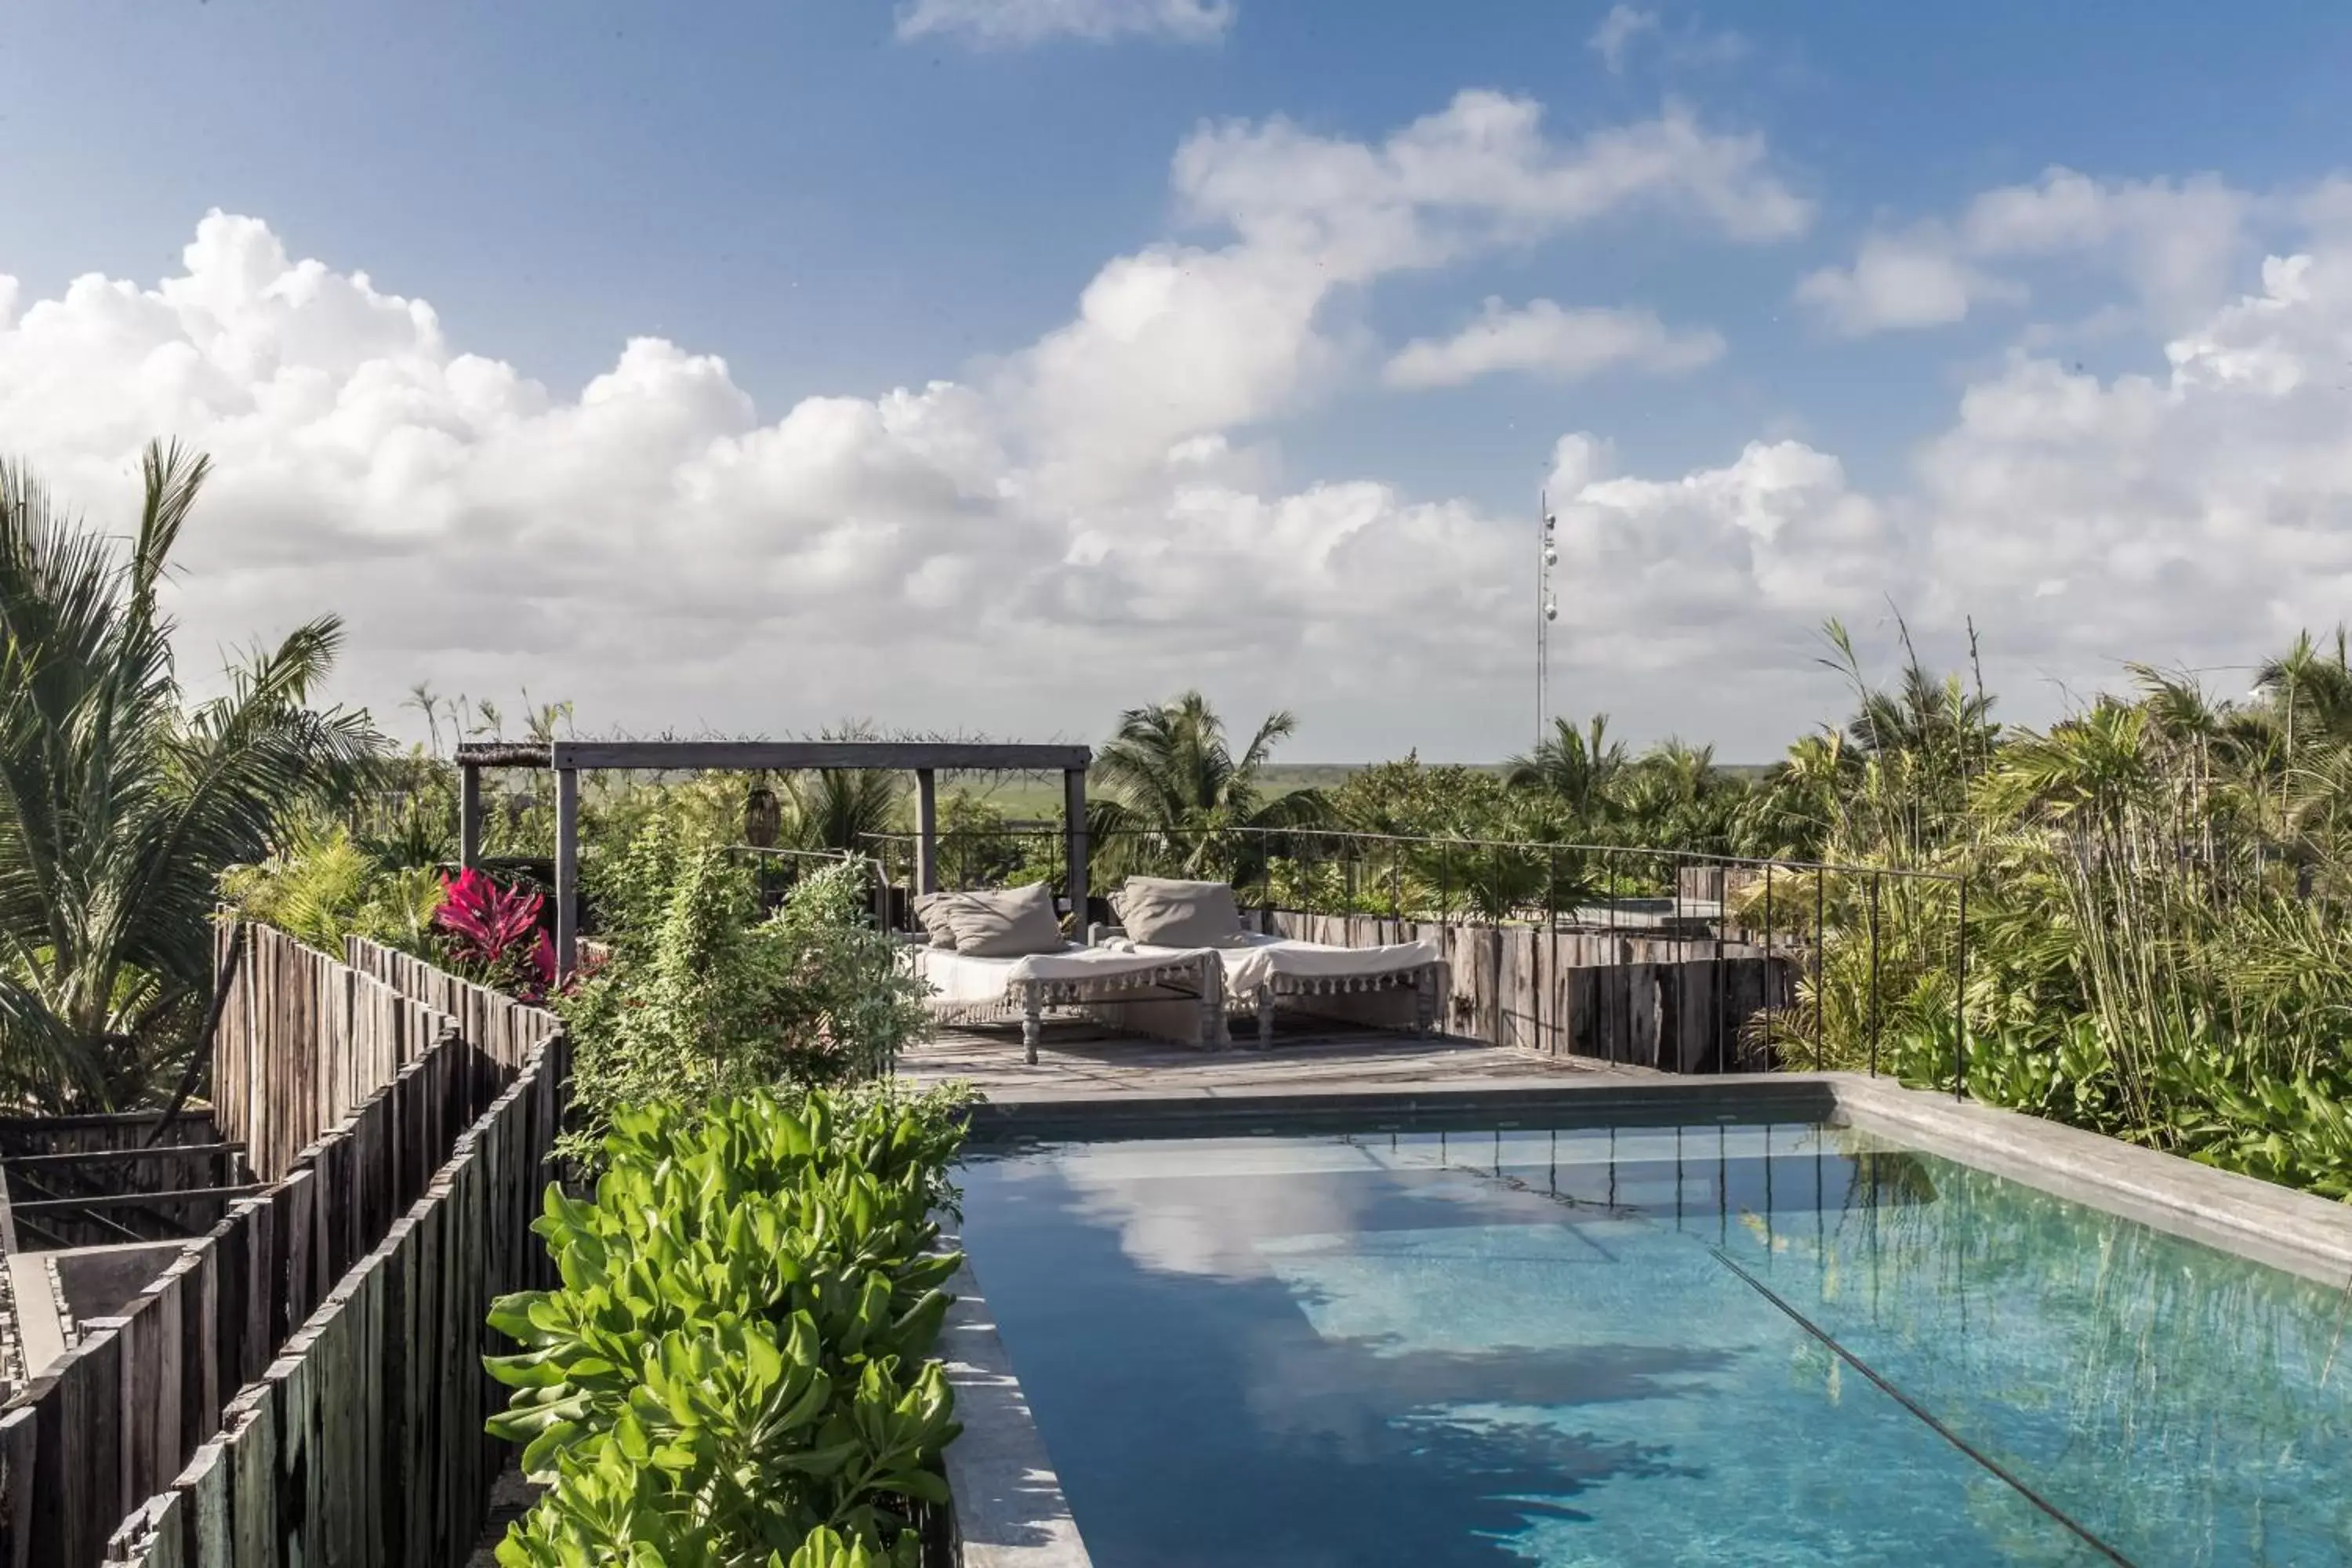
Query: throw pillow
1160,911
1009,924
931,913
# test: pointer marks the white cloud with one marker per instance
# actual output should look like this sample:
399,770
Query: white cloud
2201,516
1686,45
1617,31
1089,521
1898,281
1181,340
1101,517
1719,566
1543,339
1480,170
2177,243
1014,23
961,555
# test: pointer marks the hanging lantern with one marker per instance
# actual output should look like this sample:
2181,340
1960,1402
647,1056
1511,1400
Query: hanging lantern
763,818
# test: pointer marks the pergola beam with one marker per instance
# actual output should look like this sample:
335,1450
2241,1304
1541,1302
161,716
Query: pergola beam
925,759
790,756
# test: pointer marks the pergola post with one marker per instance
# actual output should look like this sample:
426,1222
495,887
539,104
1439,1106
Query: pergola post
1074,805
927,830
569,759
469,815
567,871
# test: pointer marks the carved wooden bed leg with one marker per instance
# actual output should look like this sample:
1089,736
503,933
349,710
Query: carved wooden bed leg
1213,1036
1266,1016
1425,1004
1032,1022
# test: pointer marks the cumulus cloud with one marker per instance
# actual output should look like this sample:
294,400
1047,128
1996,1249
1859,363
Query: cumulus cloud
1091,519
2203,511
1667,575
2200,516
1901,281
1015,23
2177,243
1101,515
1542,339
1178,341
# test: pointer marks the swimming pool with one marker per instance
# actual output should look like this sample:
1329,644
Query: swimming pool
1733,1343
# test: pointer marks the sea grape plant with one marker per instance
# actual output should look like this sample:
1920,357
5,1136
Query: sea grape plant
739,1357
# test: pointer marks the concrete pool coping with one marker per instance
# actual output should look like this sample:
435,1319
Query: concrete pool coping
1009,1507
1015,1515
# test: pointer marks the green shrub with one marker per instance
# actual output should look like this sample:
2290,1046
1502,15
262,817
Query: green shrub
701,996
737,1360
325,885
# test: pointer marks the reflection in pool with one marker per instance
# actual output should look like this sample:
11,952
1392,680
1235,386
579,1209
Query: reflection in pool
1737,1344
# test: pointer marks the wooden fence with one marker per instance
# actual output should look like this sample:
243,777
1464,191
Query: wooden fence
53,1161
491,1019
1651,1001
303,1038
363,1444
120,1414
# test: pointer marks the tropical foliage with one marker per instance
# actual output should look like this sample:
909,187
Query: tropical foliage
324,884
701,995
1175,795
2154,942
736,1368
123,801
491,932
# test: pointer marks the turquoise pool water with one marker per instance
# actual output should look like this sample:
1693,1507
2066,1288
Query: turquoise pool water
1710,1345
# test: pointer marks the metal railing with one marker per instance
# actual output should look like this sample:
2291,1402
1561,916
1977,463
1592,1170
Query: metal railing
1805,911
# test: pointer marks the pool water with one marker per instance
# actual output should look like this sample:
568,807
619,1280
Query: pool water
1721,1343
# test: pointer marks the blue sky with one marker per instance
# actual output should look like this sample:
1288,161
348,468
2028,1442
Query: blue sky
839,203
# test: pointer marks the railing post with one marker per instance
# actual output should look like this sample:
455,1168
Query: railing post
926,831
1074,804
1547,993
1960,1001
469,815
567,872
1820,968
1873,975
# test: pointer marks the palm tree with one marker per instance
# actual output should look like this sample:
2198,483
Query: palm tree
1580,768
1674,797
1178,794
1799,804
844,809
119,805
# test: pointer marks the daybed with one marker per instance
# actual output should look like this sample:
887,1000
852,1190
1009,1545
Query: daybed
1177,995
988,954
1163,916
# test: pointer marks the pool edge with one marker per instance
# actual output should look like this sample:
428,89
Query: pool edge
1009,1507
2246,1217
2242,1215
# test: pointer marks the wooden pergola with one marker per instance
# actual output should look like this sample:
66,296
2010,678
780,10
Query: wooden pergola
925,759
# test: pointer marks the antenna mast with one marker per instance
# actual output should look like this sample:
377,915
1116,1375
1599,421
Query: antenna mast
1547,610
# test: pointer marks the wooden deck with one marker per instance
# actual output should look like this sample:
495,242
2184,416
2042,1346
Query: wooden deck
1081,1060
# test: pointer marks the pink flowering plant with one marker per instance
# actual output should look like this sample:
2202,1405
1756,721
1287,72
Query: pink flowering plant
491,933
